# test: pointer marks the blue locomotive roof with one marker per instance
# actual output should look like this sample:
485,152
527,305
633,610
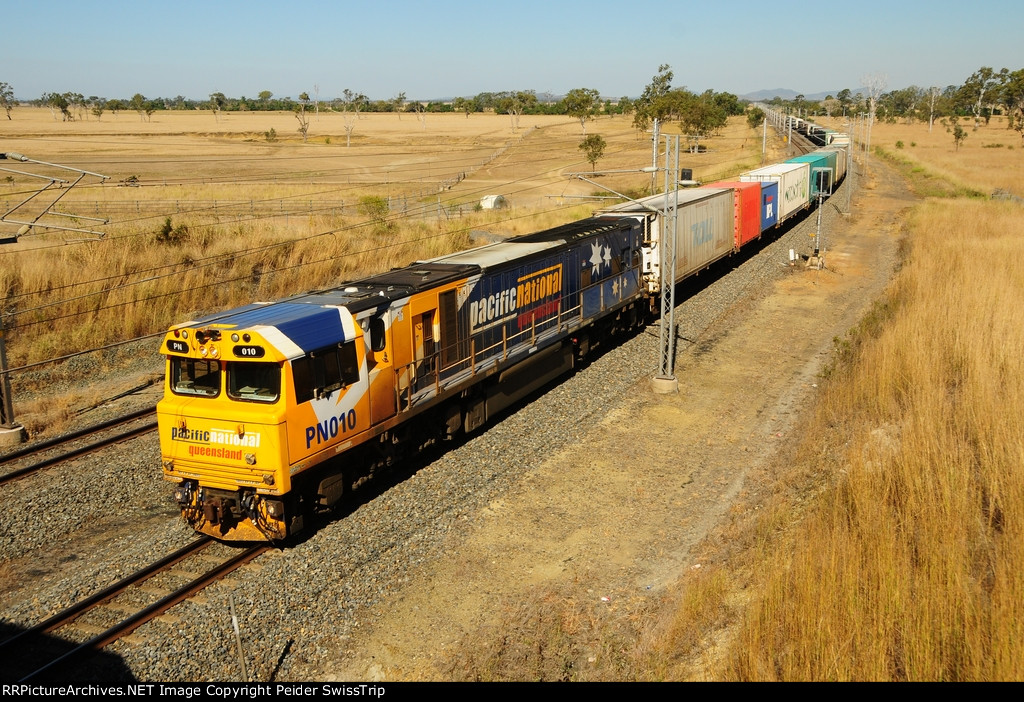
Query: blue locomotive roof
307,326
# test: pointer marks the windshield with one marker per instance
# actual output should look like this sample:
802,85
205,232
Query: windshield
192,377
254,382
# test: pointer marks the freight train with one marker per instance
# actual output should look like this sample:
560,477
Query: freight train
273,411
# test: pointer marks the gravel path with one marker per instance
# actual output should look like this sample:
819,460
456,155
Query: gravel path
74,529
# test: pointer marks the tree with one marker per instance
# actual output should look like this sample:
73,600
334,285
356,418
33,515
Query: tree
934,93
218,101
7,98
302,115
513,103
755,116
265,96
652,104
138,103
76,104
377,209
798,103
954,128
845,98
700,116
875,83
350,106
582,103
728,103
461,104
904,103
1012,95
398,104
57,102
973,91
593,148
421,112
99,106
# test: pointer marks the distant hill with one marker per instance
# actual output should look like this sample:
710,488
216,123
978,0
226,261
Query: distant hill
787,94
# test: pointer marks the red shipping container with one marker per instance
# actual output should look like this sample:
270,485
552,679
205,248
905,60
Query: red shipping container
746,201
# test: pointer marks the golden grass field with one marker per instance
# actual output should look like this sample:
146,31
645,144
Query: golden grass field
253,219
909,565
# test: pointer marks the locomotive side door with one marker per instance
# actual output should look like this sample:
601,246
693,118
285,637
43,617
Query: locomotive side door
423,347
380,365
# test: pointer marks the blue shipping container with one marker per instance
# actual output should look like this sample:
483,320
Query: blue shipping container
769,204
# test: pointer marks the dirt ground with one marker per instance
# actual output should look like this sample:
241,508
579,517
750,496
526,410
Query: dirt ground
626,514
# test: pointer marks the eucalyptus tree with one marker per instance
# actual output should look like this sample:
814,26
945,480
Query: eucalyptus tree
7,98
513,103
582,103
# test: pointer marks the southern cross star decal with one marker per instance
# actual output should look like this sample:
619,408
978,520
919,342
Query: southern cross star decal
595,259
600,255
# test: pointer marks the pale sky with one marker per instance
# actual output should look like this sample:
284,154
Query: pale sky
448,48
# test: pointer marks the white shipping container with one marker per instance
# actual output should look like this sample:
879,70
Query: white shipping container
794,185
704,230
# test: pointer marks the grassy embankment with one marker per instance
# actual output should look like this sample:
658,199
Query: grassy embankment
909,564
893,545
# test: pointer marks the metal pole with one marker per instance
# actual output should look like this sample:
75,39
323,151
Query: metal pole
666,381
654,157
764,140
238,638
6,403
10,431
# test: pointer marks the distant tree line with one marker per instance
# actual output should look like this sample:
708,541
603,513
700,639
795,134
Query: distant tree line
984,94
72,106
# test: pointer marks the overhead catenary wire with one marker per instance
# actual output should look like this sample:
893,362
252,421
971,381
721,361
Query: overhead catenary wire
423,209
152,335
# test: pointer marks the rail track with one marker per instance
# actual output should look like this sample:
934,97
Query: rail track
37,654
71,445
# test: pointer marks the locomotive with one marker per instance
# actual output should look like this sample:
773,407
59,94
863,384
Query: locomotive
273,411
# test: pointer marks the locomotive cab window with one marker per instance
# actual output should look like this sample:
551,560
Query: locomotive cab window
254,382
378,341
194,377
324,371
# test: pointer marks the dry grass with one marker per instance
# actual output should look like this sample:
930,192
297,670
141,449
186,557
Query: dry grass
908,564
909,569
252,219
991,158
